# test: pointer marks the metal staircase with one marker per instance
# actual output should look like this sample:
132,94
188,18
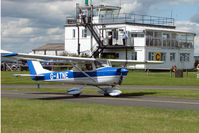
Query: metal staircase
95,33
97,37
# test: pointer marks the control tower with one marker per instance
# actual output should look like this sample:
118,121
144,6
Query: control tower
98,31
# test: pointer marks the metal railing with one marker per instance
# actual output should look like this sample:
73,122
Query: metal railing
135,18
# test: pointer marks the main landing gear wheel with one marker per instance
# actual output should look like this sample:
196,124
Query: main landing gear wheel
106,95
75,92
76,95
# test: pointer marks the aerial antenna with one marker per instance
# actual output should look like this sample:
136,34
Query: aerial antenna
120,3
171,13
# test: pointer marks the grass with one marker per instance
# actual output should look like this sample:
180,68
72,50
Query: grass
160,78
133,78
36,116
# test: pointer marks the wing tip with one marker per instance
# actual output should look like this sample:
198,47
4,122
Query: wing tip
9,55
16,75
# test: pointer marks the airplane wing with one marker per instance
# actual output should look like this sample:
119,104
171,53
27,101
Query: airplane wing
68,59
27,75
3,52
48,57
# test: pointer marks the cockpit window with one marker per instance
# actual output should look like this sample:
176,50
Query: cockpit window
83,67
98,64
102,63
88,67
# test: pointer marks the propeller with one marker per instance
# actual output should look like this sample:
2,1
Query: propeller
121,76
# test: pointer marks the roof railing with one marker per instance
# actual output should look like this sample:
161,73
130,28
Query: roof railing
131,18
136,18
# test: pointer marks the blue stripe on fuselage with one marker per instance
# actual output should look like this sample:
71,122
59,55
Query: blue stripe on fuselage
106,71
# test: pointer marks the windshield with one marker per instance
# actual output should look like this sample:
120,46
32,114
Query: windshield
102,63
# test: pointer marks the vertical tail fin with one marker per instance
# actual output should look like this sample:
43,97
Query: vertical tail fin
36,68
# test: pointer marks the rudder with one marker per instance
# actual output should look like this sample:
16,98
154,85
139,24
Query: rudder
36,68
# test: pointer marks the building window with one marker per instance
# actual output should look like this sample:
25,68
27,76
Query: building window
115,35
172,56
134,55
163,56
151,56
184,57
169,39
73,33
84,33
137,34
166,40
149,38
190,41
110,55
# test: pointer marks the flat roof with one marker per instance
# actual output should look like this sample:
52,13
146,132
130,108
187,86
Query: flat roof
166,29
143,27
50,47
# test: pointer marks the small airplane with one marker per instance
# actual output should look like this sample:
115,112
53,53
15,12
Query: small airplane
85,71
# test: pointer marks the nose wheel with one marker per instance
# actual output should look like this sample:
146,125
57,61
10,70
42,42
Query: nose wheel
109,91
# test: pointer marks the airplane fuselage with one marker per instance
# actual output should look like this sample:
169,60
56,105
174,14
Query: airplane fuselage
101,76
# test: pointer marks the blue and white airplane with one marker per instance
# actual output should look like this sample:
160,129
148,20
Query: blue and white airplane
85,71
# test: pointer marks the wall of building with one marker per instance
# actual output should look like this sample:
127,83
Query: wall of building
71,40
141,47
168,63
49,52
39,52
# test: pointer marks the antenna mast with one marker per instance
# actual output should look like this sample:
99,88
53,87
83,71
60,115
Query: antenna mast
171,13
91,2
120,3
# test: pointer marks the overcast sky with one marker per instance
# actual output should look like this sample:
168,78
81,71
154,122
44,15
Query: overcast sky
28,24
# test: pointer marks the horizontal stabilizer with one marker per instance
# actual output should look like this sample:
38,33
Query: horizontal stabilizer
27,75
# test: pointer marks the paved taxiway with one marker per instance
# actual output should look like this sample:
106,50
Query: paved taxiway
90,87
123,100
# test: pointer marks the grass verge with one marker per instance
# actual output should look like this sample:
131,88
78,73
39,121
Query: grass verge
36,116
133,78
160,78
